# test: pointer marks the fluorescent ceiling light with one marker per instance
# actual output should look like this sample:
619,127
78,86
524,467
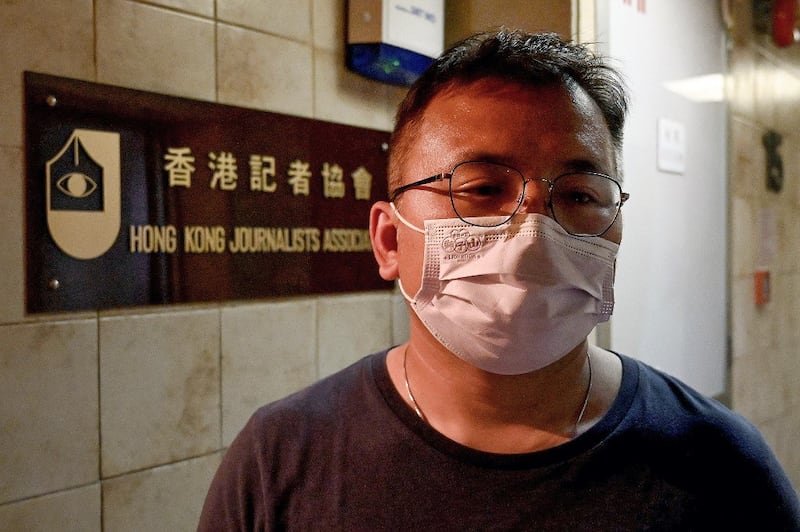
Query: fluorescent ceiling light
706,88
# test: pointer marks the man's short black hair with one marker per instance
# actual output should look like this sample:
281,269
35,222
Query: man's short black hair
518,57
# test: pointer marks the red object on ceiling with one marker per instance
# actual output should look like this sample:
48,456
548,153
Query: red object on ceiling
784,16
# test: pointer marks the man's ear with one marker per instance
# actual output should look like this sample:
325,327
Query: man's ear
383,233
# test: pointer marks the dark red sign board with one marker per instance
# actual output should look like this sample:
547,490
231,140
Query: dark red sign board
135,198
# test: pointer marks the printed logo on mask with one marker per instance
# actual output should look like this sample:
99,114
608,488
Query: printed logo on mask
461,245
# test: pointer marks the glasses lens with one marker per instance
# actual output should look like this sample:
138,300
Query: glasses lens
585,204
480,189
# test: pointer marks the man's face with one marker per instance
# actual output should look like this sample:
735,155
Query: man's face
542,131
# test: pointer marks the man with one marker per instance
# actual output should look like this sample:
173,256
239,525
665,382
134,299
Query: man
502,232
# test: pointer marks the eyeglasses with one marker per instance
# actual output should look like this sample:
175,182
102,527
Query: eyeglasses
583,203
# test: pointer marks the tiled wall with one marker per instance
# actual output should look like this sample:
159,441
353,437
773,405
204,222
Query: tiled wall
764,89
117,420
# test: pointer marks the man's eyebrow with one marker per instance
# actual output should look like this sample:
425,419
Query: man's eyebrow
583,165
485,156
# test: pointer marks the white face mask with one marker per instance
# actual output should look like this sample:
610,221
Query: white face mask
514,298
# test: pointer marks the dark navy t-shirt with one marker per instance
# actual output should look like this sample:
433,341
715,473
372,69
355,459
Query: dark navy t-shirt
348,454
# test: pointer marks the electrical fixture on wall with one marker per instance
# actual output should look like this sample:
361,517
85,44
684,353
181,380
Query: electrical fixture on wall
771,140
784,23
702,89
776,18
394,41
761,287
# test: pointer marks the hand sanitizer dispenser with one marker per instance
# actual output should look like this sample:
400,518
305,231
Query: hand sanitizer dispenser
394,41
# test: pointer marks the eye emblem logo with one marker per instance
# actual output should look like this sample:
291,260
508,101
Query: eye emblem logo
83,193
76,185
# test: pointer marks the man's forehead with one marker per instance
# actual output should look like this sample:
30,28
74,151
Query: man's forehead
458,122
501,91
494,85
526,101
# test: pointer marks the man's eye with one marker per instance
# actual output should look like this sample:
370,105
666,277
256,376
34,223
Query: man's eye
487,190
577,197
479,188
582,198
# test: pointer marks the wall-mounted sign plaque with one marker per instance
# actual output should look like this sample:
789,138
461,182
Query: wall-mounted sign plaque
134,198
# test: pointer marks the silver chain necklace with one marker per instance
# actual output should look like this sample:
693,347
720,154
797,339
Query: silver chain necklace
418,410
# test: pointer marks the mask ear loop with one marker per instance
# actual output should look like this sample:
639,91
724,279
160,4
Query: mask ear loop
413,228
402,291
404,221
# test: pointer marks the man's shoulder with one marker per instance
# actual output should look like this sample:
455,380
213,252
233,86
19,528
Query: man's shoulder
692,425
702,445
663,394
669,403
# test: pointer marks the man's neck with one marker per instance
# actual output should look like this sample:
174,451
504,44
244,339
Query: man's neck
503,413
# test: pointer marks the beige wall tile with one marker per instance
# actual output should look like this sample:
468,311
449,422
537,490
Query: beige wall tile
49,409
159,388
467,16
748,162
751,327
268,352
263,71
742,81
395,97
741,311
75,510
744,239
154,49
61,43
789,149
786,91
785,291
781,435
742,31
757,390
764,91
351,327
11,235
789,234
165,498
400,310
198,7
288,18
348,98
791,162
328,25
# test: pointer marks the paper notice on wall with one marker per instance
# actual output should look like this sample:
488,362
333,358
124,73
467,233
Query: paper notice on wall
768,237
671,146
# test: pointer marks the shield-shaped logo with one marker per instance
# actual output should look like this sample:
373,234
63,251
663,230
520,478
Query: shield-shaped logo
83,193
